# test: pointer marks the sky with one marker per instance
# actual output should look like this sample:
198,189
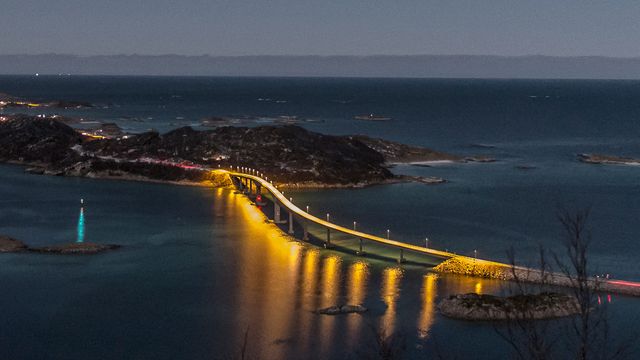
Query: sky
334,27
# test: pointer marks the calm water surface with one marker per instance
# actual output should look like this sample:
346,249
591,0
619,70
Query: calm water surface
200,268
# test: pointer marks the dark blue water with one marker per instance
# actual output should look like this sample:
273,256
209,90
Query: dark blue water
185,256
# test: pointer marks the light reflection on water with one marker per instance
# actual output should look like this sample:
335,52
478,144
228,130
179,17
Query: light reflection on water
390,293
284,281
427,312
80,231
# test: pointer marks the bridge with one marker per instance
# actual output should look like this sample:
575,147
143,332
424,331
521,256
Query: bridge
251,182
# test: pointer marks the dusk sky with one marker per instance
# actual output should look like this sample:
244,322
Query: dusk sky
301,27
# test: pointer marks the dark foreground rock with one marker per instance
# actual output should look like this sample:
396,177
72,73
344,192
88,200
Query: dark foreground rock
8,244
75,248
520,307
607,159
344,309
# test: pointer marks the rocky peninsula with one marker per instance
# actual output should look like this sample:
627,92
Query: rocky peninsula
287,154
478,307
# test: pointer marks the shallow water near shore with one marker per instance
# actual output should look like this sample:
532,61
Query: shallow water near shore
199,268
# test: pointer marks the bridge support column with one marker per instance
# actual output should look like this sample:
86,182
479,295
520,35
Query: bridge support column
327,244
305,231
290,222
276,213
401,258
360,251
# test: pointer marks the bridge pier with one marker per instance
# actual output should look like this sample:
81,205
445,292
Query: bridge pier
276,213
401,258
327,244
242,185
305,231
290,223
360,251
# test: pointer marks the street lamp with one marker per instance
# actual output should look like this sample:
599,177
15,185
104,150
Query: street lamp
388,234
327,217
354,225
307,209
426,243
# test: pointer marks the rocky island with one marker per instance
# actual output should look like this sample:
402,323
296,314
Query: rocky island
11,245
607,159
342,309
473,306
288,154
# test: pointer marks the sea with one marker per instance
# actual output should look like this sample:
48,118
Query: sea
202,274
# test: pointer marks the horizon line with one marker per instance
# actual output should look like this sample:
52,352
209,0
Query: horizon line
327,56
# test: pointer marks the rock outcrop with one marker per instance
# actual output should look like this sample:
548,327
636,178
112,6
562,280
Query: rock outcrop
607,159
394,152
344,309
519,307
11,245
8,244
75,248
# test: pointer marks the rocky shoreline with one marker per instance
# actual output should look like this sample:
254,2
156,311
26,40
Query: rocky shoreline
478,307
461,265
11,245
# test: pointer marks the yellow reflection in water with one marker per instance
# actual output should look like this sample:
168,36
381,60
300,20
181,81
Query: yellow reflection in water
309,300
390,292
330,294
478,288
358,274
357,286
427,313
268,268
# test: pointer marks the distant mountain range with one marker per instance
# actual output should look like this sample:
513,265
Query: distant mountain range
436,66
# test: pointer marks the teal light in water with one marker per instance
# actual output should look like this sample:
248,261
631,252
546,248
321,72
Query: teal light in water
81,226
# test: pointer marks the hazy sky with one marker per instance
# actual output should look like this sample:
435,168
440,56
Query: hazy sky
301,27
